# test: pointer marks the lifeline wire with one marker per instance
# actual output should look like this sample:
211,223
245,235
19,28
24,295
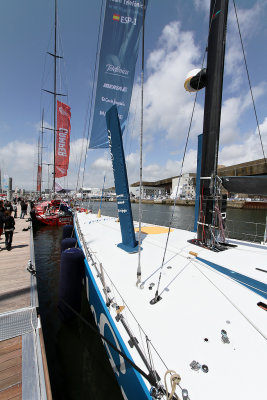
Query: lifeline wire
128,308
249,82
186,143
149,378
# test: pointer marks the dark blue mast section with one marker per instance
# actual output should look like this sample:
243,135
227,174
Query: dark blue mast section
212,117
129,242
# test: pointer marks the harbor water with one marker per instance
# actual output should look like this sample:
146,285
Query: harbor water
77,362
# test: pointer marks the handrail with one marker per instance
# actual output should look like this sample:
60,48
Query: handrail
34,293
110,301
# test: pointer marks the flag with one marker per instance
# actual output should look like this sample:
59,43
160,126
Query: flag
39,178
62,140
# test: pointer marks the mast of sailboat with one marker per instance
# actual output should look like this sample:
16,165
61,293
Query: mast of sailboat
212,117
55,95
41,151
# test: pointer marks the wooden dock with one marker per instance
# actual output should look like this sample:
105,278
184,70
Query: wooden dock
23,368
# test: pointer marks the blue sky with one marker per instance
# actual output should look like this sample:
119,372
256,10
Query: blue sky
176,34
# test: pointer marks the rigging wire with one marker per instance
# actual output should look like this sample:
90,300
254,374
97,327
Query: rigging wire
174,202
93,90
249,82
83,138
45,74
141,151
156,298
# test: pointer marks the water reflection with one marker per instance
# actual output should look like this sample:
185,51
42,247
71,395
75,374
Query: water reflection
77,361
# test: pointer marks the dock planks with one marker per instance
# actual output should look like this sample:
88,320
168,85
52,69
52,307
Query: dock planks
15,280
11,369
23,368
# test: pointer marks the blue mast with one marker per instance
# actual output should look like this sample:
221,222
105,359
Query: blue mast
129,242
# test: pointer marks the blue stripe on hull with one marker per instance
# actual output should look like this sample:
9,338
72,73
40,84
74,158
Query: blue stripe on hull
130,381
252,284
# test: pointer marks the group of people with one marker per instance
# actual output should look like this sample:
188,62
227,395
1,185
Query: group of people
7,220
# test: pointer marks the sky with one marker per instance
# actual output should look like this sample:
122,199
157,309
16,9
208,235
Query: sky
175,42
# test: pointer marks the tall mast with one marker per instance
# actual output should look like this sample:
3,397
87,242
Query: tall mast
55,95
41,151
212,116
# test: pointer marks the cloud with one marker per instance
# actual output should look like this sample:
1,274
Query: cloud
38,126
102,164
249,149
250,24
17,161
251,21
167,106
202,5
233,110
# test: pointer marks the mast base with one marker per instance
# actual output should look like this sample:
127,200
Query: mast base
216,247
128,249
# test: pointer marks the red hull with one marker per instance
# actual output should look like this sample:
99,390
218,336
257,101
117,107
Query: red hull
54,220
48,213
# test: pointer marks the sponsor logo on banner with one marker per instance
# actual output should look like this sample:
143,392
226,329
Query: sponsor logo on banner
115,87
62,112
103,114
116,67
116,70
61,170
113,101
131,3
128,20
116,17
124,19
62,140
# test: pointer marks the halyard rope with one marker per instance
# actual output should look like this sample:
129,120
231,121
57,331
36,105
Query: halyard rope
174,381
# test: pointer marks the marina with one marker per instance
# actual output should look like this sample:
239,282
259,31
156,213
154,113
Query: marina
138,263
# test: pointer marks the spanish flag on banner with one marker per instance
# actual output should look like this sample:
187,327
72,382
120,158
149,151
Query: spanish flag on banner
116,17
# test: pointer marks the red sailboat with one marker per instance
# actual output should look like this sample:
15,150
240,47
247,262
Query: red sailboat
54,212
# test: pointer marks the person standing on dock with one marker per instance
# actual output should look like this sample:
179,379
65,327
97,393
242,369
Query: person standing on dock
9,227
24,207
15,208
2,215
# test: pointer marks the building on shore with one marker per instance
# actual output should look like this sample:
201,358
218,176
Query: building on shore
165,188
187,186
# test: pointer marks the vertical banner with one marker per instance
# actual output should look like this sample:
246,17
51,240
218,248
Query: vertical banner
39,178
116,69
62,140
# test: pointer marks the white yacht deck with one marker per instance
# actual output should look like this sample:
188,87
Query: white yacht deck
198,302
